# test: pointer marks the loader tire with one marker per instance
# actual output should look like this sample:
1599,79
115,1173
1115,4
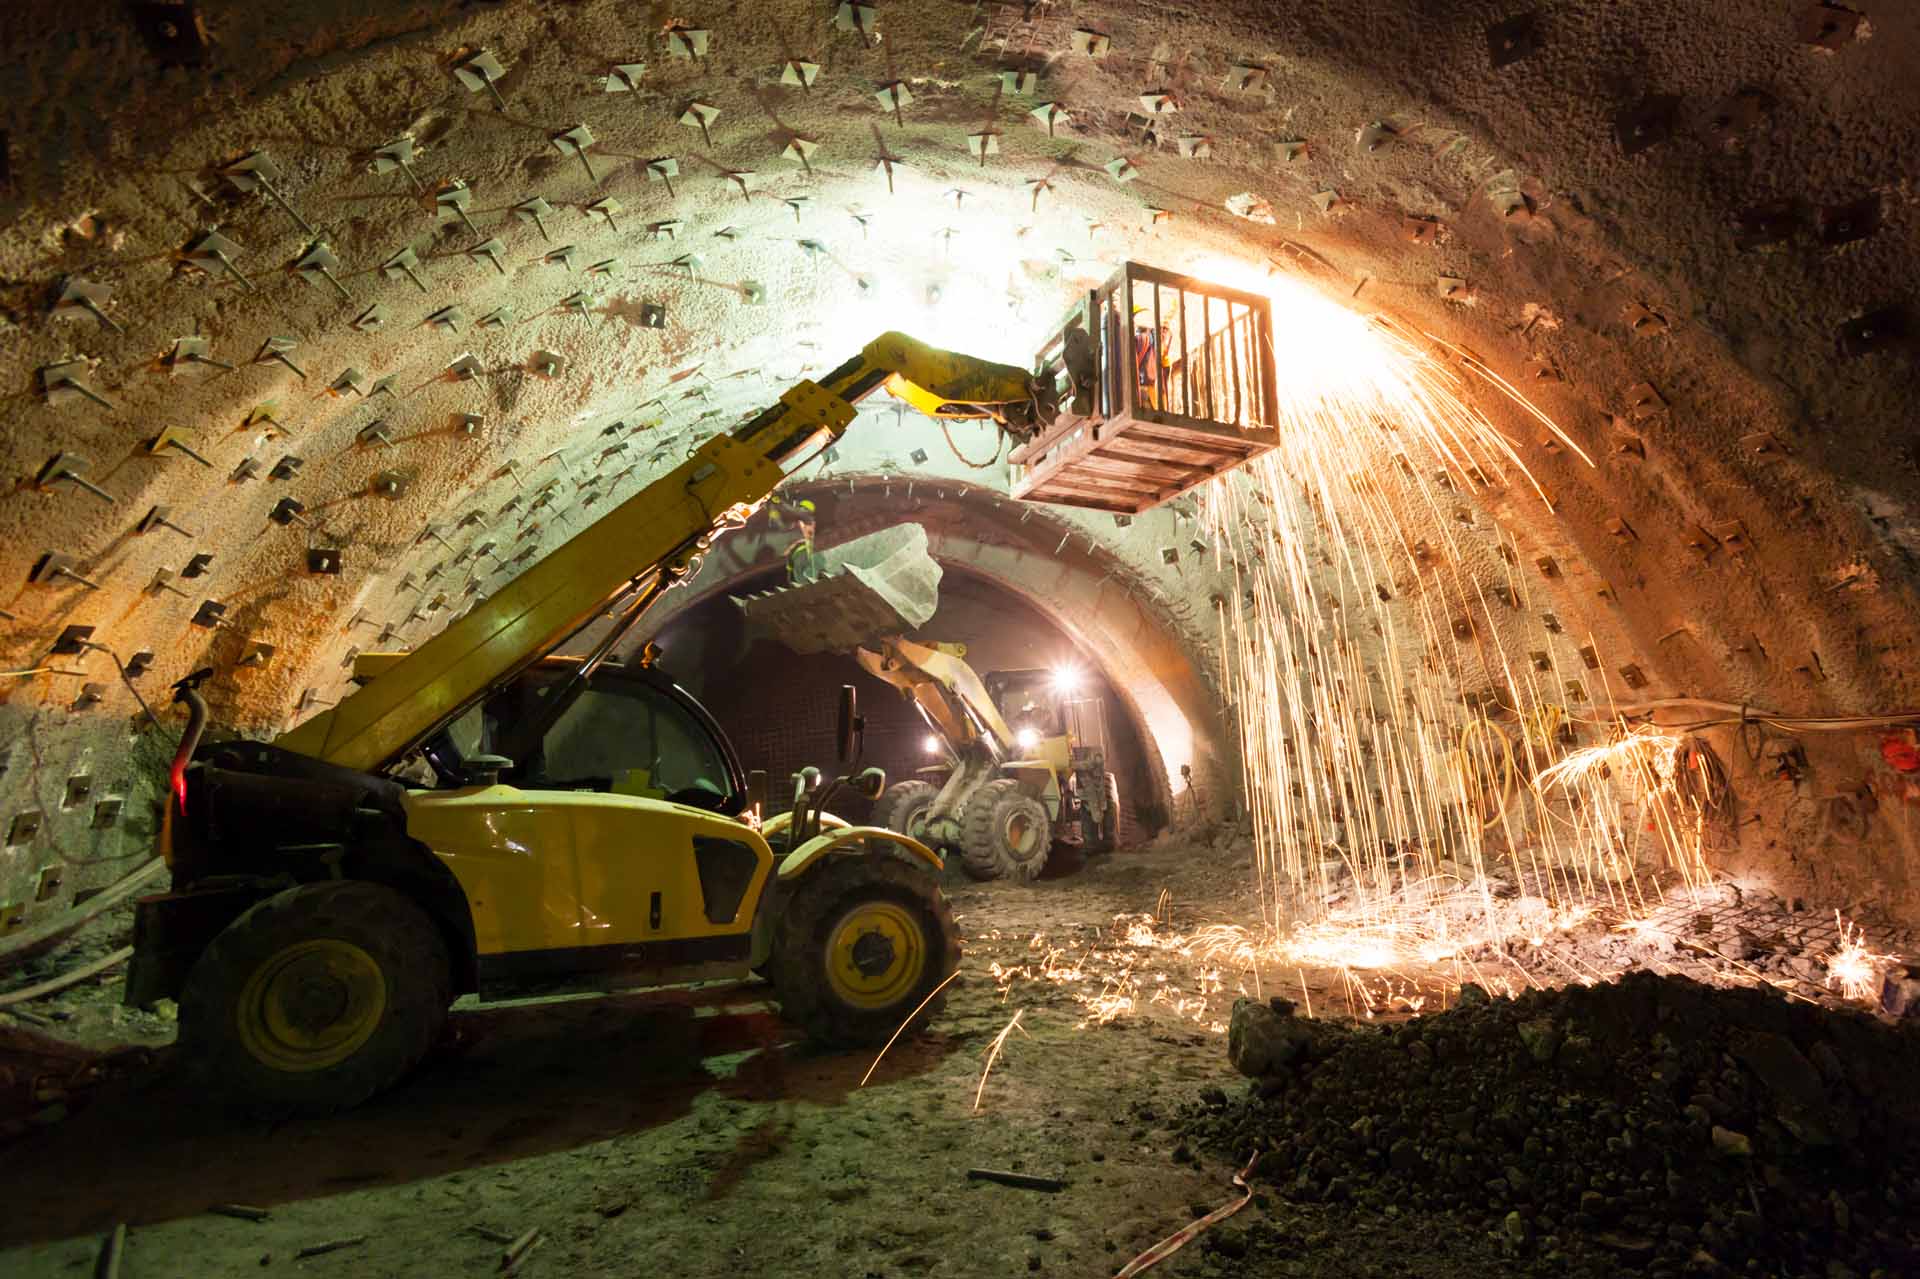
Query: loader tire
1102,835
862,940
903,807
1004,833
316,998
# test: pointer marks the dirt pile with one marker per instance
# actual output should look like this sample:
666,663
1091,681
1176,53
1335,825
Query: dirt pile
1653,1125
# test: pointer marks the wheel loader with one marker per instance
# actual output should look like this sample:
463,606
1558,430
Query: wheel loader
1024,757
485,816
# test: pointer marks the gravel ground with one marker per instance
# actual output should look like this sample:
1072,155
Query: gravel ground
1654,1126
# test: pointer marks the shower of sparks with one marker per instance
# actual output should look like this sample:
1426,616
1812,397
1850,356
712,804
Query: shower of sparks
1852,969
1645,748
1392,816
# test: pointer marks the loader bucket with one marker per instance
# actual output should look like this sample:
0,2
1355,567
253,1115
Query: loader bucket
882,584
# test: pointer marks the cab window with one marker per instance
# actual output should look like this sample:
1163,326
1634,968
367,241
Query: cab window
631,738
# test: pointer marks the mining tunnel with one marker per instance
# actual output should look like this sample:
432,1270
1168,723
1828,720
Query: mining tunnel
1339,704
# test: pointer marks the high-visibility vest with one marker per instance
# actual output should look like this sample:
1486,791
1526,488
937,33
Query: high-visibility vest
800,560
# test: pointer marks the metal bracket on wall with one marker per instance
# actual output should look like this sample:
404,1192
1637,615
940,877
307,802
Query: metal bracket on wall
192,350
256,171
625,77
61,382
176,438
663,169
574,142
398,154
320,262
77,294
275,349
161,517
688,43
456,196
217,249
490,251
482,71
54,567
403,263
535,210
69,468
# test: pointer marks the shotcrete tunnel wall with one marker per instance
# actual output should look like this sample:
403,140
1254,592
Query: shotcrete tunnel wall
1664,225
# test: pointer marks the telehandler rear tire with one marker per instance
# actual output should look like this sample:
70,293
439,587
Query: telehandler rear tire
860,942
1005,833
316,998
903,807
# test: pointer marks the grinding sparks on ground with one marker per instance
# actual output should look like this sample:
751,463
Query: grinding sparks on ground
1852,969
993,1055
903,1026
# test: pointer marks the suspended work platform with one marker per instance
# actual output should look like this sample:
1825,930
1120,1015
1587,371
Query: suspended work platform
1164,381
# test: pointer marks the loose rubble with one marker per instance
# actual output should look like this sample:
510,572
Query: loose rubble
1654,1126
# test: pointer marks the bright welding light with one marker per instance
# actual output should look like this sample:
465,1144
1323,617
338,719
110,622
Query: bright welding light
1028,738
1066,679
932,744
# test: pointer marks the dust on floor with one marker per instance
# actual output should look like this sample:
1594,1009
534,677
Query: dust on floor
684,1133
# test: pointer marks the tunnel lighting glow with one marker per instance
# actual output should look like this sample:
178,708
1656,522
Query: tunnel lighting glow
1028,738
931,744
1066,680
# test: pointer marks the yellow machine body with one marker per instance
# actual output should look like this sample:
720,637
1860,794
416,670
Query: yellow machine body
560,870
556,871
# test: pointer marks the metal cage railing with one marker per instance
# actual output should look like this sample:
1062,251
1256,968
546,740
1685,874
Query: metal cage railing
1164,381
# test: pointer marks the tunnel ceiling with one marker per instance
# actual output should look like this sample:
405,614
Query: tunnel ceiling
562,241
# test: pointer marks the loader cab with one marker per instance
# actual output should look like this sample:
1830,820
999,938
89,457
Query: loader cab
627,730
1052,705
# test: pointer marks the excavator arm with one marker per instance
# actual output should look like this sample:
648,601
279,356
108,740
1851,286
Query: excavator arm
649,542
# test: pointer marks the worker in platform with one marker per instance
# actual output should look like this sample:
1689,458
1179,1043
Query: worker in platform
1149,358
802,564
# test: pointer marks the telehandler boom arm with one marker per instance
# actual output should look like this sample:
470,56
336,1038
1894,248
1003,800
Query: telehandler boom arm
649,542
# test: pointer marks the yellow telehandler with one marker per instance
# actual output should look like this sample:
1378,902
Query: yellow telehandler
484,816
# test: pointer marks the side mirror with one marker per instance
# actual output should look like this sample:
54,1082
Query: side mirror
485,770
852,728
870,783
757,790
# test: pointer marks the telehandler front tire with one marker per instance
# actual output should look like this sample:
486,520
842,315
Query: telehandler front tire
316,998
860,942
